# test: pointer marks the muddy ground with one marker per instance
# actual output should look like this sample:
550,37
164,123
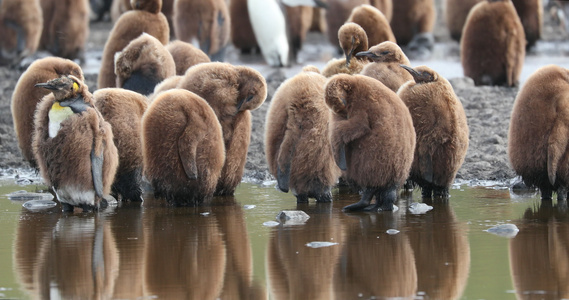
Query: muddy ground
487,108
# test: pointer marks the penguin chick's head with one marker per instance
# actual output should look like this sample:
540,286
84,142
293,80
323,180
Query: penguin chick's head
64,87
384,52
353,39
338,90
252,89
422,74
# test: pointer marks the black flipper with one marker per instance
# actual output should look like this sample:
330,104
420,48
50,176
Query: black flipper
341,160
77,104
97,172
283,177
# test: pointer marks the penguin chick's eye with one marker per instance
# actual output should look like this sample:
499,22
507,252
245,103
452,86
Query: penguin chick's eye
384,53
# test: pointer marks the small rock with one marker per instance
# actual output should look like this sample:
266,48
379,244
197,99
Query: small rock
320,244
419,208
293,217
504,230
39,204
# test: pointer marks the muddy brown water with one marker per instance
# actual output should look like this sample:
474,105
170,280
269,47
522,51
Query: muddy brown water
225,251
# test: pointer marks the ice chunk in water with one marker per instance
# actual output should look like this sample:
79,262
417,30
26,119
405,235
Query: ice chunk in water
293,217
419,208
25,195
39,204
504,230
320,244
249,206
392,231
271,224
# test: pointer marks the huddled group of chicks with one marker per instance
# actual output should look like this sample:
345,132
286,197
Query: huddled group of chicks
164,110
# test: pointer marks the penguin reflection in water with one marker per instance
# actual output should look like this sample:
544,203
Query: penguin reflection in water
73,145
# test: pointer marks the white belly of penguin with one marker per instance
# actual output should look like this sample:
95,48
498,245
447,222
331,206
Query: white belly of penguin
57,114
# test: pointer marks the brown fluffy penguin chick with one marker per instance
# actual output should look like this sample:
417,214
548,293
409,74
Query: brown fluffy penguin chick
21,25
182,148
298,21
73,145
440,127
493,44
337,14
25,97
538,139
146,17
167,84
385,6
242,35
353,39
297,143
531,15
374,23
412,17
386,60
456,12
118,8
65,27
186,55
123,109
142,64
207,21
372,138
232,91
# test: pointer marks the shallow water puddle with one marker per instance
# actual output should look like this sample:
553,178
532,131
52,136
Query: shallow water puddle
156,251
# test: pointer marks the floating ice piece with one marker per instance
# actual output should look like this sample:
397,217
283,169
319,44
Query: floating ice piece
293,217
419,208
249,206
271,224
392,231
205,214
320,244
39,204
25,195
504,230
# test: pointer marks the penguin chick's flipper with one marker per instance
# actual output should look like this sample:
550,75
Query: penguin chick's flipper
97,172
341,157
283,178
138,82
76,104
187,148
20,35
426,167
557,146
284,159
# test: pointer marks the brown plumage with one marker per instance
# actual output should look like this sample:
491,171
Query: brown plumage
146,17
298,21
337,14
456,12
374,23
123,109
538,139
25,97
207,21
297,143
412,17
353,39
186,55
386,60
232,91
372,137
168,84
385,6
142,64
65,27
440,127
492,48
21,24
531,15
118,8
182,148
242,35
73,145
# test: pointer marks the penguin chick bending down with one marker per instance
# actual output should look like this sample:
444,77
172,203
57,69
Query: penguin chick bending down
297,143
374,22
232,91
146,17
123,109
20,29
353,39
493,44
538,143
372,138
440,127
208,21
386,60
269,27
182,148
142,64
73,145
185,55
26,98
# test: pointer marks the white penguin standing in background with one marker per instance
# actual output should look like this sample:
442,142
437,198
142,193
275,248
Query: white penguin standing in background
269,26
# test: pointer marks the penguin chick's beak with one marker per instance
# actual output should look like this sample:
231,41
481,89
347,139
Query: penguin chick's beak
244,100
418,77
367,54
46,86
